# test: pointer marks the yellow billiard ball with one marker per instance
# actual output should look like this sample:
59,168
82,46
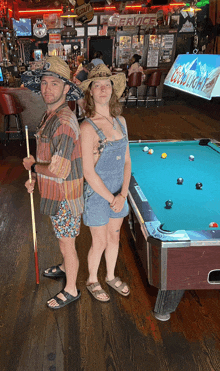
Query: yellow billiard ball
164,155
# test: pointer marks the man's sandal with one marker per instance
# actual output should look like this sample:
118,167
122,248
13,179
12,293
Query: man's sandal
120,287
95,293
62,303
58,272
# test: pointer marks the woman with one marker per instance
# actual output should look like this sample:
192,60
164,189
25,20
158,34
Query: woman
80,60
98,58
135,66
107,171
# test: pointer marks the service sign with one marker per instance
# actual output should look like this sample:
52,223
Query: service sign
132,20
197,74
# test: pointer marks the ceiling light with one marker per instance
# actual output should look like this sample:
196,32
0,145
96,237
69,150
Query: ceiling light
192,8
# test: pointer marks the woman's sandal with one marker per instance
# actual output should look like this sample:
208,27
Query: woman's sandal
62,303
120,287
58,272
95,293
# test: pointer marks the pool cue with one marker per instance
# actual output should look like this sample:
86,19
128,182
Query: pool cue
32,214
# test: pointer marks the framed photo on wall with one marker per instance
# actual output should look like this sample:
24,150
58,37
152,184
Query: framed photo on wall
80,31
92,31
94,20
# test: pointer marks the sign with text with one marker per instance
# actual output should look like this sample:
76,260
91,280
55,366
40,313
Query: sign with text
54,38
132,20
197,74
84,11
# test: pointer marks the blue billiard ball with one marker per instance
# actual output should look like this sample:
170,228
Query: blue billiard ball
169,204
198,185
180,181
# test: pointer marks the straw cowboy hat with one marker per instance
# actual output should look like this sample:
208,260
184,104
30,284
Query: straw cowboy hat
54,66
102,72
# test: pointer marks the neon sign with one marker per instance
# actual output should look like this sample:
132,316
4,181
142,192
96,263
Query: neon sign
196,74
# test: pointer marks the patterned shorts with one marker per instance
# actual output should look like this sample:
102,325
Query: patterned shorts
64,223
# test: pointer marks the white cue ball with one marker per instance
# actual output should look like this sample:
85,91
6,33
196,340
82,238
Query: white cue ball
145,149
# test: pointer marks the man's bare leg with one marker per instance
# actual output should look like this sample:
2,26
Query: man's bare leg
71,266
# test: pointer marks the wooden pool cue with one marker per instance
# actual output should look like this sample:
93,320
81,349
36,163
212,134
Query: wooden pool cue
32,214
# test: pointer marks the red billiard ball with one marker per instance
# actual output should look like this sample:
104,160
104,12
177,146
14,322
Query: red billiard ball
213,225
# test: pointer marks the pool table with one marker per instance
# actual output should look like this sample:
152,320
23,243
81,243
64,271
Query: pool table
178,248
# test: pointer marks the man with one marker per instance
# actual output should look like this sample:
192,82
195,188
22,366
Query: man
58,168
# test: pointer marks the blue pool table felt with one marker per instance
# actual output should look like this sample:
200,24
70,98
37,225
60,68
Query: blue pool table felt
192,209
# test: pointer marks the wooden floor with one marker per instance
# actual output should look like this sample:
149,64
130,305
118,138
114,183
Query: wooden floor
88,335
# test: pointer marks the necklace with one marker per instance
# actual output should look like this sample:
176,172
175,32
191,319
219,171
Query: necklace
113,124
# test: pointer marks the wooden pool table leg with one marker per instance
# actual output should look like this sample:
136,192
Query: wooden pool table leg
167,301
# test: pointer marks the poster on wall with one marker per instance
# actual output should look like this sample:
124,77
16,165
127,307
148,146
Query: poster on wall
186,23
166,49
153,51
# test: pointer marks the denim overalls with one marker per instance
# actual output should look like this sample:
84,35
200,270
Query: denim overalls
110,168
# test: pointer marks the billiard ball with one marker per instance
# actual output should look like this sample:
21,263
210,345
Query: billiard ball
198,185
191,158
213,225
169,204
151,151
145,149
164,155
180,181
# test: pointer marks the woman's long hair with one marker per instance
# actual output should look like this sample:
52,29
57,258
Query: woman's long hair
115,106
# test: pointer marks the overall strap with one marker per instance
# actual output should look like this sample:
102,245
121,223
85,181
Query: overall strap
98,131
122,126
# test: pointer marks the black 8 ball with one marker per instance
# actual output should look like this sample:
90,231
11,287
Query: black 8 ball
169,204
198,185
180,181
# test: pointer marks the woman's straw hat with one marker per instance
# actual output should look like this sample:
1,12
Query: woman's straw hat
102,72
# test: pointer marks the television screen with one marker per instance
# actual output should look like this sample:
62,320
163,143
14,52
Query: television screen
1,75
22,27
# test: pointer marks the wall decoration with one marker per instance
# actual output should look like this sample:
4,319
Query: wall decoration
80,31
39,28
52,20
84,11
94,20
92,31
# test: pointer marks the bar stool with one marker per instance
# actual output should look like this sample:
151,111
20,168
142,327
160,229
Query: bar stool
153,81
10,106
134,81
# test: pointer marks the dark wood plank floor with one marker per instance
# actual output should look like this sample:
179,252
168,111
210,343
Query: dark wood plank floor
91,336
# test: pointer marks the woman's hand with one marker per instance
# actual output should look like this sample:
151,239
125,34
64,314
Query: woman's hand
30,185
117,204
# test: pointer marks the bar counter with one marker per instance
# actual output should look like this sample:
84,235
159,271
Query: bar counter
33,107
